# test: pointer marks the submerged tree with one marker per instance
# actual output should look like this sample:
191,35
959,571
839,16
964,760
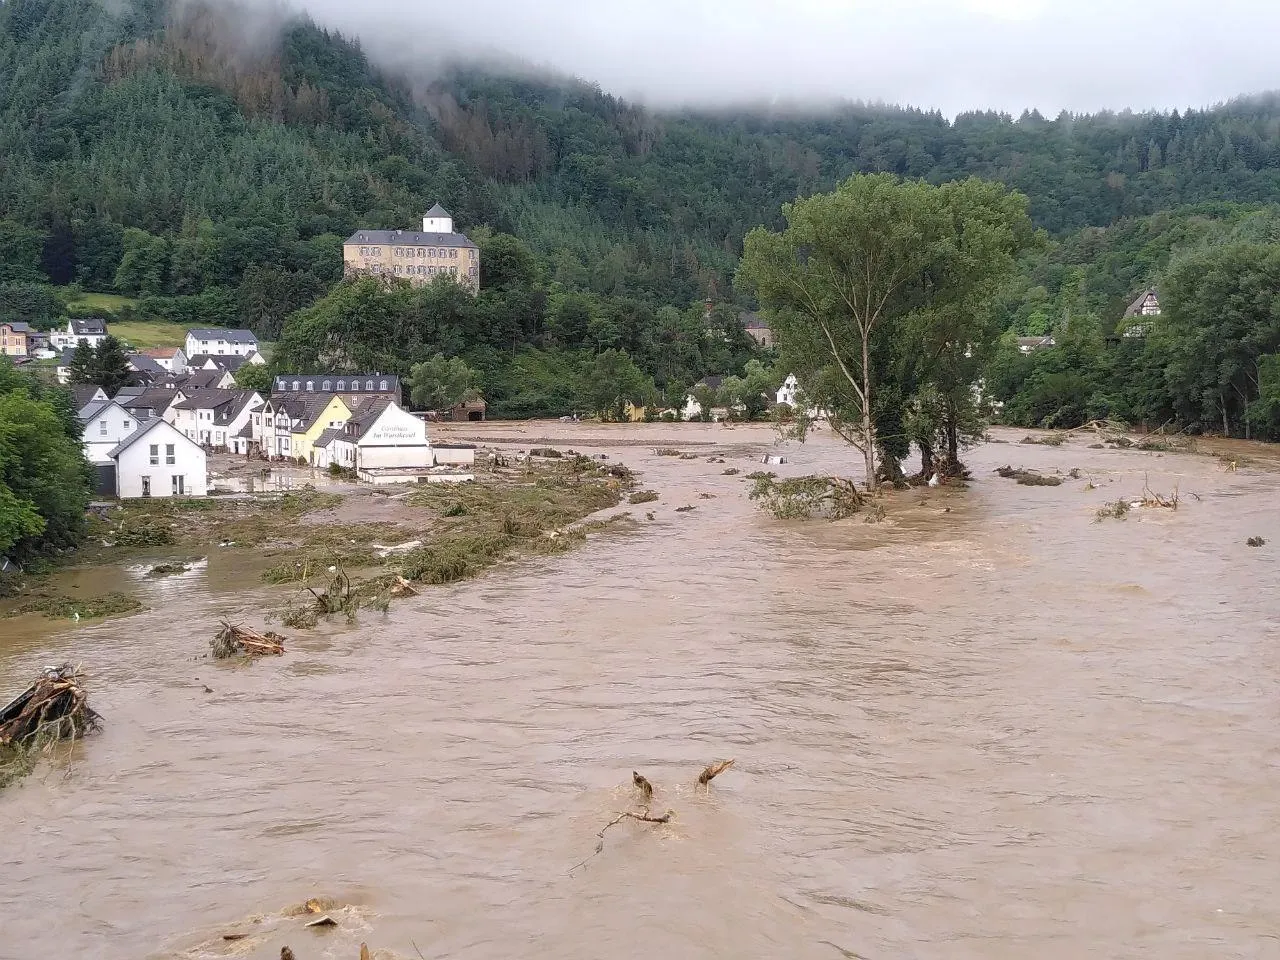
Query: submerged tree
440,383
878,270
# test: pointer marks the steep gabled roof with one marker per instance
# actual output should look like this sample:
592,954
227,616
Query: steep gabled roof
362,420
144,364
162,353
439,211
143,431
88,326
1133,309
326,438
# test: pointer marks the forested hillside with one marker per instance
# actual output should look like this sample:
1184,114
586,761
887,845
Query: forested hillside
210,167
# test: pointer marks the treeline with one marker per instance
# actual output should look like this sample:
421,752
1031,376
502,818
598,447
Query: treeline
538,348
44,478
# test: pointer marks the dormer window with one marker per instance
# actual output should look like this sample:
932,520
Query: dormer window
297,385
383,385
368,385
342,384
311,385
326,384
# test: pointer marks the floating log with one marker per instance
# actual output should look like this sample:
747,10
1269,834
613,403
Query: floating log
645,787
55,706
713,771
233,641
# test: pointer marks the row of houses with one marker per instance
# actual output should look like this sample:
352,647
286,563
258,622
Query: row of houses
153,441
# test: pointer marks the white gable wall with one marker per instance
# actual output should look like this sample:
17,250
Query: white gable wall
396,439
134,464
105,430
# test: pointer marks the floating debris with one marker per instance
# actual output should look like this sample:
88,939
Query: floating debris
1256,542
55,707
685,509
233,641
643,496
642,783
1028,478
714,770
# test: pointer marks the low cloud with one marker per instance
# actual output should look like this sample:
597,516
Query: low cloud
953,55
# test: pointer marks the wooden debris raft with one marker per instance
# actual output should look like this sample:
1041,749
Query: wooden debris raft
235,641
55,707
645,789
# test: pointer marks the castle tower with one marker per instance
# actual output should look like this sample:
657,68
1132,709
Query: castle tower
437,220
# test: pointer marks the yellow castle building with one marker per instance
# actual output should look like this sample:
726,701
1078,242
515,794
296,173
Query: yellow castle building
418,257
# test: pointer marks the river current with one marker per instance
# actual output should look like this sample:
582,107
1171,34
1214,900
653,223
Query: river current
988,728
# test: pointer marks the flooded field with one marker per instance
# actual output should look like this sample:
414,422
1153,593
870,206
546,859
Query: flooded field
988,727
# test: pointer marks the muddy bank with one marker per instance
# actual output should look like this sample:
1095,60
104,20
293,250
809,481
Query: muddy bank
948,725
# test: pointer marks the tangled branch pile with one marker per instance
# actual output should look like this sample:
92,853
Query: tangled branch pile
234,641
55,707
805,498
1028,478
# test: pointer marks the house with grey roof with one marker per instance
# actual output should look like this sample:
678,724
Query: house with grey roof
345,385
215,341
92,330
435,252
214,418
157,460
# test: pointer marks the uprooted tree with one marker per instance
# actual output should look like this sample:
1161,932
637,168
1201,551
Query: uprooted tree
878,298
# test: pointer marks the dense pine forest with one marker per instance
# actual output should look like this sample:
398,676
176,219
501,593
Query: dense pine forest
153,150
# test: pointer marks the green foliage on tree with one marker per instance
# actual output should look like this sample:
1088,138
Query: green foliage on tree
748,397
83,366
608,380
106,365
254,376
44,479
440,383
886,283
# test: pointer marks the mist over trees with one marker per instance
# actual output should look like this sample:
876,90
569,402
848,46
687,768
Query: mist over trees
148,151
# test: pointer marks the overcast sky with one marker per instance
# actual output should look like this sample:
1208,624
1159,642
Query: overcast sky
1080,55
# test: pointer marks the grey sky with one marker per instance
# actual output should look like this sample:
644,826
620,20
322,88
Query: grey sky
1081,55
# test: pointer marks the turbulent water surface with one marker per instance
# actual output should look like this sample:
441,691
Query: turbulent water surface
988,727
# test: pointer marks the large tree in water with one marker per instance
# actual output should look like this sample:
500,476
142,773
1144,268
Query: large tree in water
880,289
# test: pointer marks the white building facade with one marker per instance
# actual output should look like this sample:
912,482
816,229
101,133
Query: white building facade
218,342
158,461
105,426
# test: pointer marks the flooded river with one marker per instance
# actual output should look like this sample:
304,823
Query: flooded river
986,728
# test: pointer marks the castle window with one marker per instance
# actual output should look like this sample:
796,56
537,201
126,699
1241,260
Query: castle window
453,254
297,385
383,385
326,384
368,385
342,384
422,251
364,251
311,385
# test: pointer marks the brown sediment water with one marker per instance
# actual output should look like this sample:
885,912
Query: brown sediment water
988,727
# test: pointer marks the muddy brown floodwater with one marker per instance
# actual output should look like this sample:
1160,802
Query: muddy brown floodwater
1002,731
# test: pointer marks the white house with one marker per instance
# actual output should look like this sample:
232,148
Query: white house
212,418
230,362
156,460
171,359
217,342
692,409
382,443
106,423
787,392
93,330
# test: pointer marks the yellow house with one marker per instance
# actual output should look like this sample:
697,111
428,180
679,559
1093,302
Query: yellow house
632,413
322,414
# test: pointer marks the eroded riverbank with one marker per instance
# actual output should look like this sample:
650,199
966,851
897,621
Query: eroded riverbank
988,727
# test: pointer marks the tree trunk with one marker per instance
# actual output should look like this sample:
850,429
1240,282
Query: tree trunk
1226,424
952,466
926,460
868,428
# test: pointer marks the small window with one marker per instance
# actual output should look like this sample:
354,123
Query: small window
422,251
169,457
155,454
368,385
326,384
311,385
453,254
146,486
384,386
128,425
297,385
364,251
